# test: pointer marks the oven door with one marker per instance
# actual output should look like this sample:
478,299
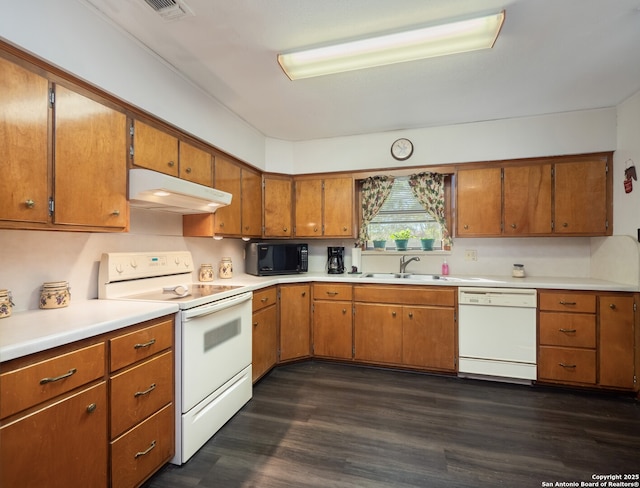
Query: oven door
216,346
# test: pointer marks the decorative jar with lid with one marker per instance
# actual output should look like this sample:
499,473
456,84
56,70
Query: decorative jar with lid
55,294
206,272
518,271
6,303
226,268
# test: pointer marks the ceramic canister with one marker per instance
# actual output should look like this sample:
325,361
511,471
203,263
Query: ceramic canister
55,294
206,272
6,303
226,268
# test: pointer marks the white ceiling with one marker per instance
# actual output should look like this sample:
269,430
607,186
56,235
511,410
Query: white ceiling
551,56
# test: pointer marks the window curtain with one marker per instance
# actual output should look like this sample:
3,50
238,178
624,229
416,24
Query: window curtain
375,191
428,188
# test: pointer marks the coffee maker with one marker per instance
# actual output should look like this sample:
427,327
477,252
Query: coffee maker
335,263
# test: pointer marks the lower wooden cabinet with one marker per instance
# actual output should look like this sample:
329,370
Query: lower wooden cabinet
332,320
264,353
615,349
295,321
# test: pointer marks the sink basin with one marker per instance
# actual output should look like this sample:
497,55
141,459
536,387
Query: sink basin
426,277
384,276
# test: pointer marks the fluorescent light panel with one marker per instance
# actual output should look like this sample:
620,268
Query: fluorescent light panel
427,42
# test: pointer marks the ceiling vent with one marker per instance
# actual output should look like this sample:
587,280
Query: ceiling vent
170,10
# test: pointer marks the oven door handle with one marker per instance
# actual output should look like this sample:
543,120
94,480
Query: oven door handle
215,306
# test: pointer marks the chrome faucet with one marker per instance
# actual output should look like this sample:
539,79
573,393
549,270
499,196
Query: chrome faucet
404,262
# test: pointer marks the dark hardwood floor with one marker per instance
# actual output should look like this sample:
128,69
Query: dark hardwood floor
316,424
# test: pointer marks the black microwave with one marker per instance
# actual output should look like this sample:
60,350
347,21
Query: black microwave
266,259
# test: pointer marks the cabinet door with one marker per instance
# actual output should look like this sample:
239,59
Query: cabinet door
90,162
227,178
615,349
277,207
332,329
377,333
581,197
308,208
265,342
295,325
251,204
24,98
527,200
479,202
428,338
196,165
155,149
338,207
64,444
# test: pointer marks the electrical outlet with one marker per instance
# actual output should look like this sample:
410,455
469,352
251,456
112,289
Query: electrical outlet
470,255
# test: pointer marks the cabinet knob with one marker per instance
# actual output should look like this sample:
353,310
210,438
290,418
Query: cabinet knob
255,324
565,224
263,300
344,310
284,229
612,306
115,213
91,408
304,293
410,315
344,229
171,164
221,224
513,226
188,170
315,229
465,226
393,314
30,203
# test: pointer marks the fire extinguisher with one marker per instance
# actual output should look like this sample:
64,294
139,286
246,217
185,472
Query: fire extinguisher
629,174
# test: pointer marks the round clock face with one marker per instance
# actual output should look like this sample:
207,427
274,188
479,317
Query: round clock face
402,149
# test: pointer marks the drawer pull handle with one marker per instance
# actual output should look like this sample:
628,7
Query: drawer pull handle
562,302
571,366
91,408
145,344
145,392
332,293
304,293
264,299
145,452
612,306
569,331
71,372
255,324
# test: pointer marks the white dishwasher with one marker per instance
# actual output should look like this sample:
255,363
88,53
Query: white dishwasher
497,333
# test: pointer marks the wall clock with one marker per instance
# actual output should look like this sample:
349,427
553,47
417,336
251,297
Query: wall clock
402,149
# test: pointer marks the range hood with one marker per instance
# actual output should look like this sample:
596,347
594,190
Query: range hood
156,191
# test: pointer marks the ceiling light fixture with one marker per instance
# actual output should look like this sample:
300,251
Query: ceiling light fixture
425,42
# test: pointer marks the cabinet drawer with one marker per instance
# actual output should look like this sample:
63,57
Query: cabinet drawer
567,329
568,302
264,298
331,291
138,392
141,344
36,383
141,451
405,295
567,365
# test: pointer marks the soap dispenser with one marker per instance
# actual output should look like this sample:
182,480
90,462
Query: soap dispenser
445,268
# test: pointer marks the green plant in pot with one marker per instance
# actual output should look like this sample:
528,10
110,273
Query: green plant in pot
401,238
379,242
428,237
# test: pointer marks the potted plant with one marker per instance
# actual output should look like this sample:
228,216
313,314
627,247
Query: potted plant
379,242
427,238
401,238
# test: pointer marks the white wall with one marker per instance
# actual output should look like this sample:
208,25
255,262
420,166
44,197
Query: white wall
69,34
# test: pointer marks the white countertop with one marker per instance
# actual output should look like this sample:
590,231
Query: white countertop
33,331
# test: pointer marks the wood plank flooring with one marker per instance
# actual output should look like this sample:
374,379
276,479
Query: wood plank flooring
316,424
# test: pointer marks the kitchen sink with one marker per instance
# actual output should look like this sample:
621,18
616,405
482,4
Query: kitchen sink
427,277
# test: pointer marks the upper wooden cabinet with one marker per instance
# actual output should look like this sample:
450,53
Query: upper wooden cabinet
24,187
568,195
479,193
196,165
155,149
90,162
324,207
228,220
277,206
251,203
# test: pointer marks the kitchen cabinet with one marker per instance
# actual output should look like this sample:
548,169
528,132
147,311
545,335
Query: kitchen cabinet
155,149
409,326
24,186
333,320
196,165
54,419
582,196
141,402
527,199
84,187
90,177
277,206
479,202
251,198
616,315
265,332
324,207
295,321
228,220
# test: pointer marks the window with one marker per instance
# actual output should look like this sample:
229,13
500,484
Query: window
401,210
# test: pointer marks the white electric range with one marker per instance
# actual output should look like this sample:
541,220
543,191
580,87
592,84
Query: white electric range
212,338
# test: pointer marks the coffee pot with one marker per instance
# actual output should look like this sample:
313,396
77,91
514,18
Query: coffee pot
335,263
